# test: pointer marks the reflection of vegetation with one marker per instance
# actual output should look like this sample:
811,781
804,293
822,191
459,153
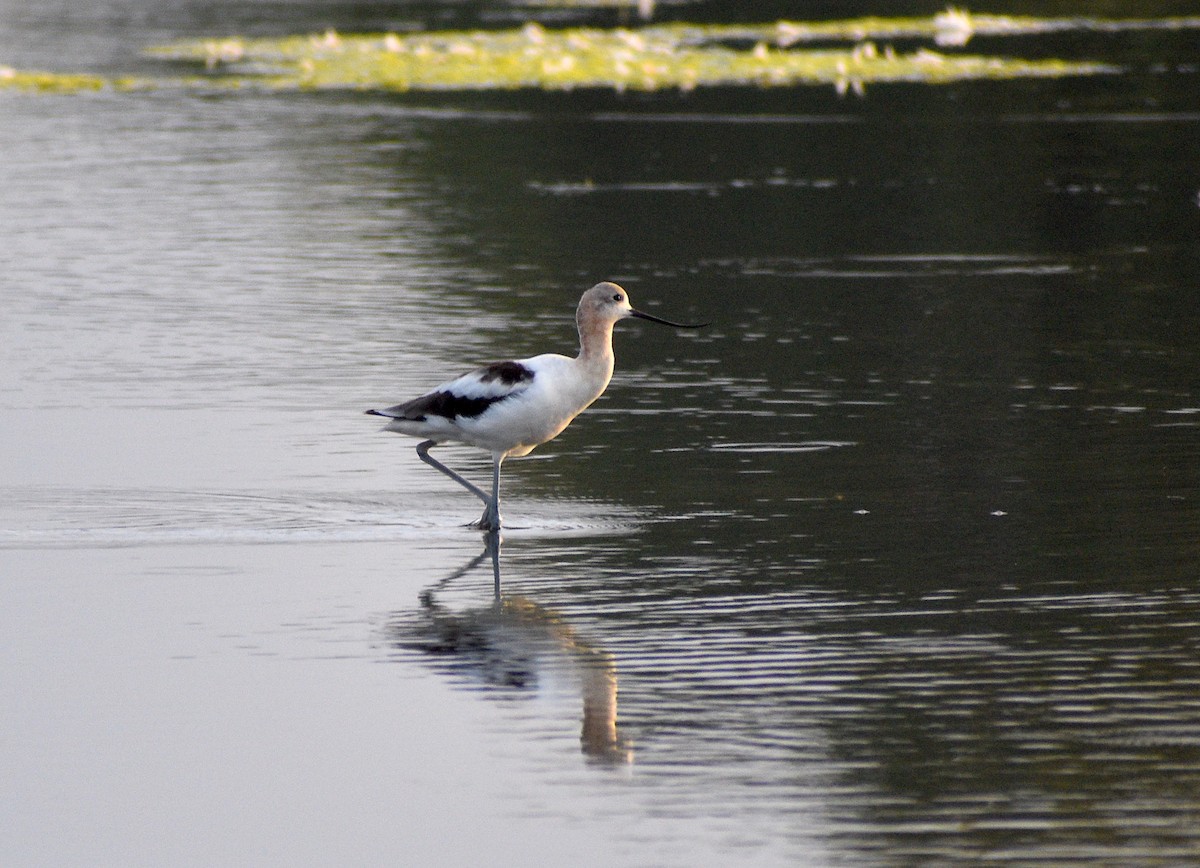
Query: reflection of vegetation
681,56
643,8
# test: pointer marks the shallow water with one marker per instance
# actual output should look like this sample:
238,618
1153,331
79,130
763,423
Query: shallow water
893,564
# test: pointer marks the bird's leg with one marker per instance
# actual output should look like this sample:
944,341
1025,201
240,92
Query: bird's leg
423,453
490,520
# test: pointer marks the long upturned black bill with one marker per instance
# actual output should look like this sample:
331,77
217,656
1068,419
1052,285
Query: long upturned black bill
678,325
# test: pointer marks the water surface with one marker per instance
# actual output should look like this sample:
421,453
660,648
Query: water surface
893,564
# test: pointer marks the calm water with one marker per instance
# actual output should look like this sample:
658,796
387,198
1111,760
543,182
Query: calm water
894,564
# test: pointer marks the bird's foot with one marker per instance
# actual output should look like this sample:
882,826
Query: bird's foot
489,522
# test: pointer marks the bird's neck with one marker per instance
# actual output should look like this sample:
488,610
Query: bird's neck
595,349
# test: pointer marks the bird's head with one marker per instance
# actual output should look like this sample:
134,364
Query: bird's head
609,302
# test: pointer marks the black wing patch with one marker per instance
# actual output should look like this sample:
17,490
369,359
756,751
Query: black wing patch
450,406
444,404
508,373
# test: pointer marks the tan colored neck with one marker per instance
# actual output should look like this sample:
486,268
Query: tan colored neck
595,341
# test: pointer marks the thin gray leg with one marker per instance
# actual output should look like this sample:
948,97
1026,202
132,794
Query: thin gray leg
491,518
423,452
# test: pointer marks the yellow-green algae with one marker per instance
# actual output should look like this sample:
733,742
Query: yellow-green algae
49,81
951,27
650,58
681,56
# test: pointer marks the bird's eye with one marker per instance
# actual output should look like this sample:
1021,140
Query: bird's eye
618,297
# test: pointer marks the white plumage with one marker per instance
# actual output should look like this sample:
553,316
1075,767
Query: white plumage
510,408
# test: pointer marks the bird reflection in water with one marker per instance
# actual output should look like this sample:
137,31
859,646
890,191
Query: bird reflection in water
512,641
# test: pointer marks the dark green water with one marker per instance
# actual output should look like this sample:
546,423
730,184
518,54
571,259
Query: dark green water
894,564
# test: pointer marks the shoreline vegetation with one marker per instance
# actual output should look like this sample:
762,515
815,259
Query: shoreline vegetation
654,57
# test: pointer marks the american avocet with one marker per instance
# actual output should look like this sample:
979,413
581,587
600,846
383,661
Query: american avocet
510,408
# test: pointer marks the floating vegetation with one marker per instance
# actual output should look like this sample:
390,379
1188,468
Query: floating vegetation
54,82
679,56
950,28
651,58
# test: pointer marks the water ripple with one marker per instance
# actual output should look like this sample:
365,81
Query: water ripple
53,517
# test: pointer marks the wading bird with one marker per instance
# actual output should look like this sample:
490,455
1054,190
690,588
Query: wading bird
510,408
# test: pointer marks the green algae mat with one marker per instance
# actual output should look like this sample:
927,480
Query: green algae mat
672,56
